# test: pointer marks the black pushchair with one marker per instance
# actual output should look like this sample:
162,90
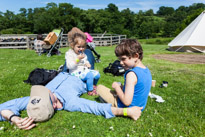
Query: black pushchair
91,46
97,56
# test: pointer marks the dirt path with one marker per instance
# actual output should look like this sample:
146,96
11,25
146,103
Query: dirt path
182,58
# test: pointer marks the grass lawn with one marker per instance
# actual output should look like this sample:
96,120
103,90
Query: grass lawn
182,113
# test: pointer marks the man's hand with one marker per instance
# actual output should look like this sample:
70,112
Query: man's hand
23,123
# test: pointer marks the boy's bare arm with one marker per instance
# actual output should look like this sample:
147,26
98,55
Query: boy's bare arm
127,96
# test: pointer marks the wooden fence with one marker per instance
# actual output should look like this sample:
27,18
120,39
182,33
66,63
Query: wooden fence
26,41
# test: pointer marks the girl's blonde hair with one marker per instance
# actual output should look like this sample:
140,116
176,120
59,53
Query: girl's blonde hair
75,39
74,35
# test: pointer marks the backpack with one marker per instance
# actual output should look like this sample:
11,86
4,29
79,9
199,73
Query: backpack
115,68
41,76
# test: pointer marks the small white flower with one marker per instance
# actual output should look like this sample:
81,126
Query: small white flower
111,128
1,128
150,134
128,135
174,130
73,126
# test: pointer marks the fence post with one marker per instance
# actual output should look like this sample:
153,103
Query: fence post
119,39
27,42
111,40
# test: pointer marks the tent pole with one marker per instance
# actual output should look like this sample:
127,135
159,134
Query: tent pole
179,48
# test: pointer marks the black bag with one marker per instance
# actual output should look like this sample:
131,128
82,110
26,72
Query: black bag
115,68
41,76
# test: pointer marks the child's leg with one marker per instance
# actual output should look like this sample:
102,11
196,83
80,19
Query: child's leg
89,81
96,78
107,95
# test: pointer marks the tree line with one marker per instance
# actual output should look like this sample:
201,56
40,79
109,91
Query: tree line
166,22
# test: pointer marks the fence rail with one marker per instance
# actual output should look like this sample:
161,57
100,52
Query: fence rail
26,41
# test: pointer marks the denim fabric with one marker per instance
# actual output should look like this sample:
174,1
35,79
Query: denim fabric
90,57
68,90
91,80
15,105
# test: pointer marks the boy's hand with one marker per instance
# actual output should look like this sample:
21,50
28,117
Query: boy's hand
116,85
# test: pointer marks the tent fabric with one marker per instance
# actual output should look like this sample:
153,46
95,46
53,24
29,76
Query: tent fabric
192,37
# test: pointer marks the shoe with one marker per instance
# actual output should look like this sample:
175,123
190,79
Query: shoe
94,87
102,100
93,93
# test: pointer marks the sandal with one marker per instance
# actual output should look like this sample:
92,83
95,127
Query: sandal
93,93
94,87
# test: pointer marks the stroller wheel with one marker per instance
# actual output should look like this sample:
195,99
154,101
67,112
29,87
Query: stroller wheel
48,55
58,53
97,60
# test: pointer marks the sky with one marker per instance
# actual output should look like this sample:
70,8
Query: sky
133,5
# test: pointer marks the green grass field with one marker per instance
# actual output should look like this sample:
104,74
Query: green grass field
182,113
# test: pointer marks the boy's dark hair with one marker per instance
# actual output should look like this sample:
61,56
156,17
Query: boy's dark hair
129,47
39,37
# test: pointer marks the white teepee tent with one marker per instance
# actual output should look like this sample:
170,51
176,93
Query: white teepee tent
192,38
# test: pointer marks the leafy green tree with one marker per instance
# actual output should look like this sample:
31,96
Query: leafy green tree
45,19
9,17
30,21
128,21
21,22
115,20
144,24
149,12
112,8
69,16
165,11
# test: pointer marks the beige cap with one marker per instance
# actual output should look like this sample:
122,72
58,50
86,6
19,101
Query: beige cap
39,107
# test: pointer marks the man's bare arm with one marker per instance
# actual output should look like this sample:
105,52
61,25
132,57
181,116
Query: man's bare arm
22,123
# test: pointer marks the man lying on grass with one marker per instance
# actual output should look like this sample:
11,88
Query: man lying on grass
62,93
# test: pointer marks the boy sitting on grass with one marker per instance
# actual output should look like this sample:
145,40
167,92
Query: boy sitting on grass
137,77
